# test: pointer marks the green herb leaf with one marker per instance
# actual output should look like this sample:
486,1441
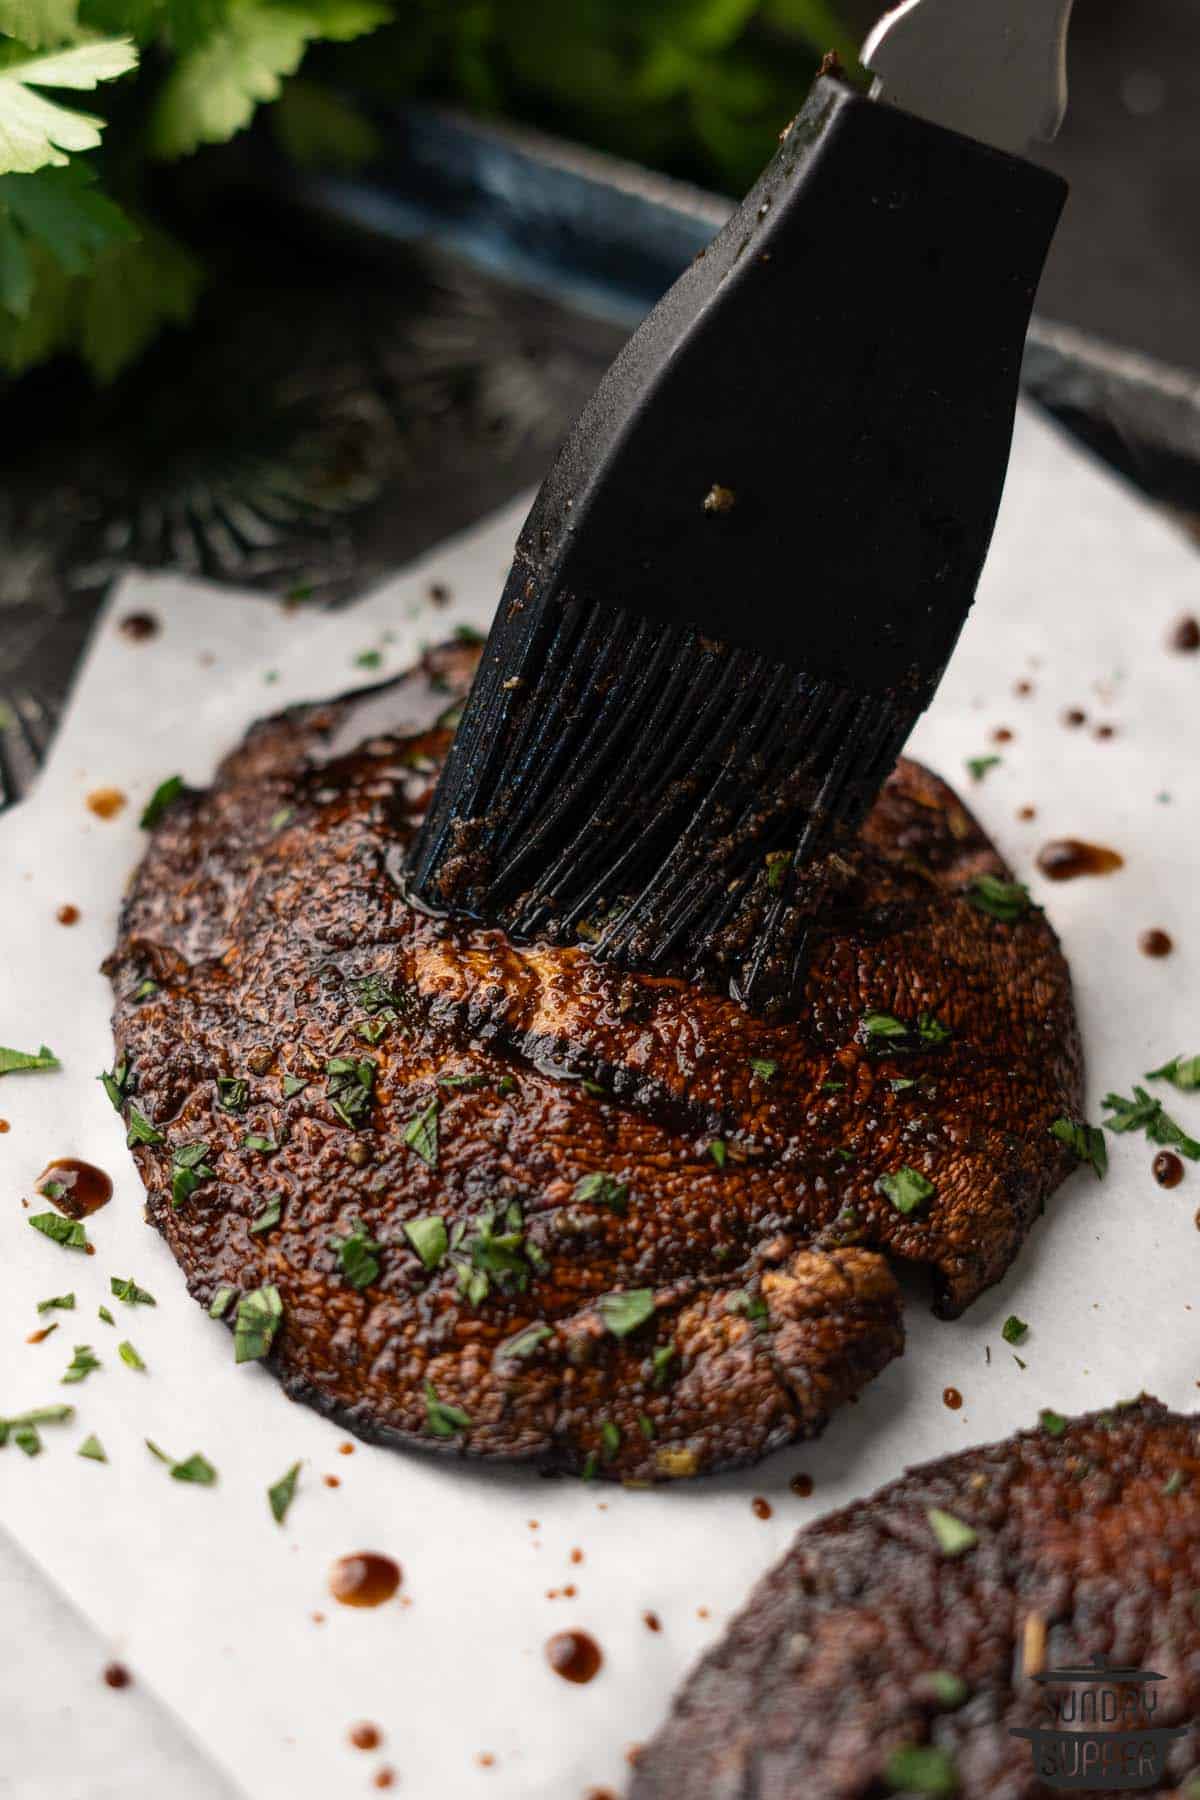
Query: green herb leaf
81,1364
1173,1484
13,1062
267,1217
144,990
358,1256
129,1355
281,817
93,1449
259,1316
978,766
900,1083
219,1305
751,1306
610,1440
429,1238
1003,900
778,863
196,1468
953,1535
369,659
922,1769
1145,1113
763,1067
233,1093
375,992
280,1496
622,1313
188,1169
264,1146
906,1189
349,1088
930,1029
130,1292
1182,1071
67,1232
719,1151
141,1131
1087,1141
441,1419
59,1302
25,1437
53,1190
947,1688
293,1085
882,1026
105,1317
599,1189
1013,1329
524,1343
1052,1422
117,1084
660,1363
160,799
462,1081
421,1134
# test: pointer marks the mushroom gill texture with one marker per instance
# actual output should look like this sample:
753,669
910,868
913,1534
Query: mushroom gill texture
890,1652
516,1203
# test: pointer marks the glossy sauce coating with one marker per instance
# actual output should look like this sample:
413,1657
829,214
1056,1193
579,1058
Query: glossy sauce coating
1064,859
574,1655
364,1579
76,1188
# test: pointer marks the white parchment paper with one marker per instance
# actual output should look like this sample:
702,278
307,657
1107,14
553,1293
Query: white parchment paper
212,1604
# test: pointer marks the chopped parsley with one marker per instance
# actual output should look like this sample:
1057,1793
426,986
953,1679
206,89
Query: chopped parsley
233,1093
281,1495
1052,1422
14,1062
144,989
907,1189
660,1363
129,1355
282,817
116,1083
160,799
610,1440
1013,1330
421,1134
1173,1484
1087,1141
1006,901
1182,1071
67,1232
374,993
778,864
524,1343
349,1087
259,1316
267,1217
293,1085
196,1468
833,1087
141,1131
948,1688
763,1067
1145,1113
599,1189
81,1365
104,1316
882,1026
188,1169
357,1255
441,1419
23,1426
264,1146
930,1029
751,1306
978,766
953,1535
53,1190
900,1083
93,1449
429,1238
462,1081
488,1255
369,659
623,1312
57,1302
719,1151
130,1292
922,1769
219,1304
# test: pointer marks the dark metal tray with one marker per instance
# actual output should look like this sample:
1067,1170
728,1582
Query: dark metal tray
380,360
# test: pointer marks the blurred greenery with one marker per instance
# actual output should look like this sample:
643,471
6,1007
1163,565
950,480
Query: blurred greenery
93,263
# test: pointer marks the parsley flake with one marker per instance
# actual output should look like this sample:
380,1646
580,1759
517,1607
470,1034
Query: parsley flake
357,1255
599,1189
196,1468
610,1440
93,1449
14,1062
622,1313
116,1083
1013,1329
67,1232
267,1217
922,1769
81,1365
188,1170
141,1131
1087,1141
1006,901
523,1343
763,1067
293,1085
259,1316
660,1363
978,766
1182,1071
160,799
1173,1484
375,992
59,1302
429,1238
130,1292
219,1304
441,1419
281,1495
882,1026
349,1087
907,1189
233,1093
104,1316
129,1355
719,1151
1052,1422
421,1134
954,1536
1145,1113
947,1688
264,1146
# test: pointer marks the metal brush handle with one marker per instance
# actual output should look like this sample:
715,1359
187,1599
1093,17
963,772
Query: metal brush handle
995,70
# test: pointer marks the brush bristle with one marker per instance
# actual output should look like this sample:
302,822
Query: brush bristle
637,786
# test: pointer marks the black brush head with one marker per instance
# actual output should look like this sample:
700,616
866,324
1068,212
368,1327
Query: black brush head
742,579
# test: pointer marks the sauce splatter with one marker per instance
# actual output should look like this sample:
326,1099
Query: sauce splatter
384,1778
116,1675
1155,943
67,915
364,1579
760,1507
1074,715
1002,735
577,1556
1023,687
332,1481
574,1655
76,1188
1185,634
801,1485
1027,812
138,627
1104,732
1167,1168
651,1621
951,1398
1063,859
365,1736
4,1126
345,1449
106,803
40,1336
